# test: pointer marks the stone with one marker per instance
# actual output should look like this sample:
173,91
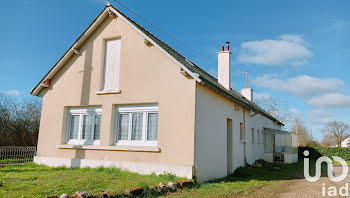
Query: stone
81,194
136,191
100,194
64,195
51,196
172,186
108,193
185,183
154,188
162,186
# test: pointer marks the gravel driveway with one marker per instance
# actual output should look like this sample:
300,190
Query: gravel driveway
299,188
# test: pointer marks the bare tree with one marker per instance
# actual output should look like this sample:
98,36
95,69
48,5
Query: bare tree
275,107
19,121
336,130
329,140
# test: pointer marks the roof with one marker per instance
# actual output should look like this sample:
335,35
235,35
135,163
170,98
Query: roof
194,70
276,131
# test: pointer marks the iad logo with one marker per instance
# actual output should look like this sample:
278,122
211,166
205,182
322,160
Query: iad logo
329,168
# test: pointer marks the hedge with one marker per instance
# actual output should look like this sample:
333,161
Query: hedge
316,151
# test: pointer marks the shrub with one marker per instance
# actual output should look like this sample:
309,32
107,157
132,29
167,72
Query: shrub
317,151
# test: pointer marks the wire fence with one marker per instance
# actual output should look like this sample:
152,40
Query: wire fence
16,155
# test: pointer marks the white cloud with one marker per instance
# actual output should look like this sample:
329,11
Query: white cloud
314,116
318,92
302,86
320,113
261,95
10,92
288,49
337,100
318,116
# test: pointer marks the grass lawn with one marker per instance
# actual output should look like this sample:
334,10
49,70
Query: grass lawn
32,180
14,161
244,181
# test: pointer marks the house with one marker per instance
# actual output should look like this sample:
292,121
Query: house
121,97
346,142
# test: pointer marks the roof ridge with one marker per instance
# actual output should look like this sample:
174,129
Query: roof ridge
233,93
202,77
148,31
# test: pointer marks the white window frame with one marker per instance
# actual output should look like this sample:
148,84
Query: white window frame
81,112
129,109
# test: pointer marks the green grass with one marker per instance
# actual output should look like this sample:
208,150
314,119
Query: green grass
15,161
32,180
245,181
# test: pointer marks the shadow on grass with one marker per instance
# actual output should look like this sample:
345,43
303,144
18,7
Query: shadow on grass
272,172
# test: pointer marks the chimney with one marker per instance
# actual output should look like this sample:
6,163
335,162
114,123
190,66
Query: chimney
224,66
247,92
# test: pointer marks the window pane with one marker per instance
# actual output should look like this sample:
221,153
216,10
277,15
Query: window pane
74,127
152,130
123,127
241,131
86,133
97,127
136,133
264,137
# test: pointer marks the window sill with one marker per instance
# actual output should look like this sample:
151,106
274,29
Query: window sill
103,92
111,148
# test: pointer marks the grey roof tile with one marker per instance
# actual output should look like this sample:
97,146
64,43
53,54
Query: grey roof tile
206,78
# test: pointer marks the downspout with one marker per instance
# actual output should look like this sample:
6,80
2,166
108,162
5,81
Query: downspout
245,136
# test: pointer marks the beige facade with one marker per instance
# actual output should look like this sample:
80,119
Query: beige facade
147,76
192,122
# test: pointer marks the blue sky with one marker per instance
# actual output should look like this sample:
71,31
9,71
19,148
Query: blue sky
298,51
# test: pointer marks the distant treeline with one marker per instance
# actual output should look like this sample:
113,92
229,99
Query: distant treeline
19,121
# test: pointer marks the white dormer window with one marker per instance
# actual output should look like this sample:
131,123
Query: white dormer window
84,126
111,65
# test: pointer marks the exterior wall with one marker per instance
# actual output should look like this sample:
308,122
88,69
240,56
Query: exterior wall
146,76
256,151
268,157
140,167
212,111
345,143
